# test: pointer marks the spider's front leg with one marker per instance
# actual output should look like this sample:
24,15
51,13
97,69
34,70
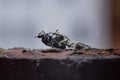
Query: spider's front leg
56,32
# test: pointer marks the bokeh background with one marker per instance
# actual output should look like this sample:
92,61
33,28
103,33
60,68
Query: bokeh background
93,22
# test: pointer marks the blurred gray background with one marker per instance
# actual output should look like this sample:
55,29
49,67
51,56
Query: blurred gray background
87,21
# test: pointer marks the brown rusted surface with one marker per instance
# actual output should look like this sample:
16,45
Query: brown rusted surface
27,53
54,64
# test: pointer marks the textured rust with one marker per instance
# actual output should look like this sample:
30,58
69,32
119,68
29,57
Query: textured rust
22,52
54,64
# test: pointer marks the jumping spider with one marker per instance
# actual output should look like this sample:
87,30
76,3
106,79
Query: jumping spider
57,40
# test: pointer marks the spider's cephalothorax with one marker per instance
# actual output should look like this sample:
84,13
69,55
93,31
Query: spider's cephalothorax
54,39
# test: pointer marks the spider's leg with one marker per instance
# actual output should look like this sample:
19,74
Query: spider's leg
65,43
68,42
56,31
53,33
43,31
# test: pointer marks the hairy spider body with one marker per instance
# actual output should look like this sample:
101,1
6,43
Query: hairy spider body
57,40
53,39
